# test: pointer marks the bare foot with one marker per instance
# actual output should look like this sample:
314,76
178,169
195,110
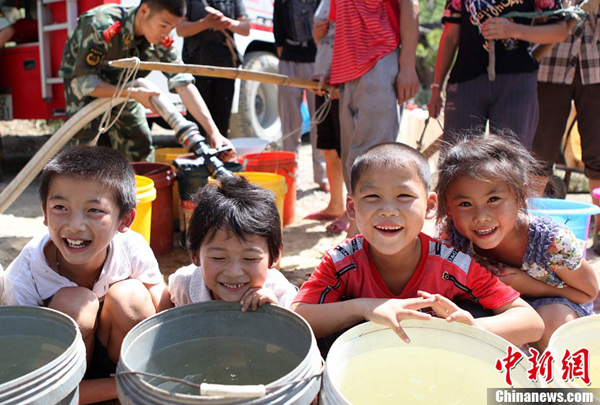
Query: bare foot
324,187
339,225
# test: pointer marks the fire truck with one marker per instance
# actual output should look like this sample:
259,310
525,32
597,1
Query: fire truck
30,87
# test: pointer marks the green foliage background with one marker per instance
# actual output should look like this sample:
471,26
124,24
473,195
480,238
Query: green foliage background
430,17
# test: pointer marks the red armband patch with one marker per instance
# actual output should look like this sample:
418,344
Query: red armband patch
168,42
111,31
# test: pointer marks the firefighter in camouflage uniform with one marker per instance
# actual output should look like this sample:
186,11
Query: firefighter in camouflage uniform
111,32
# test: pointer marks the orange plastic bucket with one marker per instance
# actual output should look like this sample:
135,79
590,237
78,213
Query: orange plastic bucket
282,163
168,155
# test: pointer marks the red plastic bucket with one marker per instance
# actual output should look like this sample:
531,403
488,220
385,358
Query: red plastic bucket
161,235
282,163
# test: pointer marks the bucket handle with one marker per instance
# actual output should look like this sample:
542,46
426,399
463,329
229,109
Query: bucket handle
233,391
225,391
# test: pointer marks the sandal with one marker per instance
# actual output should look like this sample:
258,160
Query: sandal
596,243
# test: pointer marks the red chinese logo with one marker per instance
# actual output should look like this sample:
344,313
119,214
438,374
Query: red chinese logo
540,365
574,365
508,363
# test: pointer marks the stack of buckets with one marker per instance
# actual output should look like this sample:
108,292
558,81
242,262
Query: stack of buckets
146,193
167,156
192,176
280,163
161,200
162,177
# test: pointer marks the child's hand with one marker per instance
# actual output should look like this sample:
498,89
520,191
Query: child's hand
445,308
491,267
512,277
391,312
255,297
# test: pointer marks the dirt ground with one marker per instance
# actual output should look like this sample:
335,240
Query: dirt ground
305,241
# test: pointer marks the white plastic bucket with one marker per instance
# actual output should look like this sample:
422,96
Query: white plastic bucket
581,333
474,349
217,319
53,382
244,146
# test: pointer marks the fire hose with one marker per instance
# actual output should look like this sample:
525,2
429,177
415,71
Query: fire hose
187,134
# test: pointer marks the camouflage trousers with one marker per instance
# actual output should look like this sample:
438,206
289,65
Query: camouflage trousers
130,134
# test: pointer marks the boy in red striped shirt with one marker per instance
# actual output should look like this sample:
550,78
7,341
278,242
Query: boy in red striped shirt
375,74
393,270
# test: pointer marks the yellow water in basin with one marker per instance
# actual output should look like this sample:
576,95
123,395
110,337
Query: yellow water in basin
418,375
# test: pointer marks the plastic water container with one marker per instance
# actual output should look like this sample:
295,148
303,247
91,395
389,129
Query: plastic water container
581,333
43,357
161,223
370,364
576,215
269,181
282,163
168,155
274,182
191,176
146,193
275,326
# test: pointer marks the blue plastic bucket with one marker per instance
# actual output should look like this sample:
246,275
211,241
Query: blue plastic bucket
576,215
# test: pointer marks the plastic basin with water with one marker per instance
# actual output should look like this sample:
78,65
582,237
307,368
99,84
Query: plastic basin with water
42,358
193,324
446,363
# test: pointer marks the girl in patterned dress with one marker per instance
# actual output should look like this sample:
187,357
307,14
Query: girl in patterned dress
483,188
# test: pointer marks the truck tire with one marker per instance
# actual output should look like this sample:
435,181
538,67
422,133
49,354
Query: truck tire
258,115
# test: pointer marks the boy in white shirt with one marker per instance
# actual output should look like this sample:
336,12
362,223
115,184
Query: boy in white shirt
88,265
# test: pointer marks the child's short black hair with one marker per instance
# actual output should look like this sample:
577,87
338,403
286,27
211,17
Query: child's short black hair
390,156
491,158
237,207
106,166
175,7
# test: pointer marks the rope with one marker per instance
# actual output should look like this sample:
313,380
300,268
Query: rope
126,76
574,11
420,141
318,118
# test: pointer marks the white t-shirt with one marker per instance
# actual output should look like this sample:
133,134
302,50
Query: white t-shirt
187,286
29,280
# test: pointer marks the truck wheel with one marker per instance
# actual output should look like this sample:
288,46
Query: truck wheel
258,115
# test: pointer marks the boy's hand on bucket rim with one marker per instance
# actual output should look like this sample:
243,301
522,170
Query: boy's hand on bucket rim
391,312
448,310
255,297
